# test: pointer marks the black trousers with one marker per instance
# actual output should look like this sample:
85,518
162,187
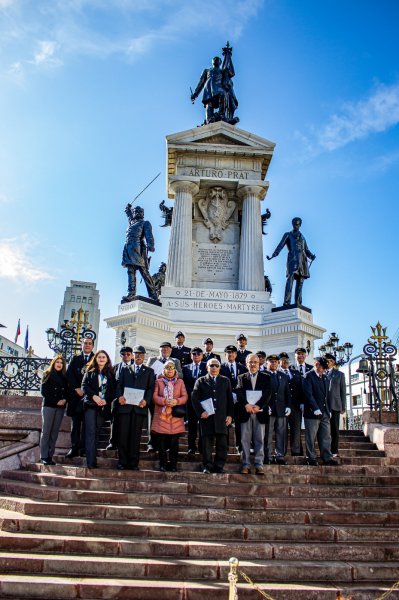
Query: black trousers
237,426
167,442
294,423
113,436
94,420
130,426
334,422
78,432
192,433
208,441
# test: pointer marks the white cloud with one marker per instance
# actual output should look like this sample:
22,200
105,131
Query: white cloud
45,54
378,112
16,263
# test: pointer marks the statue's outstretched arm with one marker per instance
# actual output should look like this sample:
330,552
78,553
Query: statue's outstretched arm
200,85
279,247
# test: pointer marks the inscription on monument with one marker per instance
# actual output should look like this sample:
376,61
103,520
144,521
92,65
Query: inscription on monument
215,173
213,262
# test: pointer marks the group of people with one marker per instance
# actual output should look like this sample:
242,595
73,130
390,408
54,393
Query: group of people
265,399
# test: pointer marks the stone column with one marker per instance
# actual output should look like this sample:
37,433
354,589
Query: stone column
180,263
251,267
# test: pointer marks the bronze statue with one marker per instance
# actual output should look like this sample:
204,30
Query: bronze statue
265,217
297,263
218,98
167,214
159,278
139,241
268,285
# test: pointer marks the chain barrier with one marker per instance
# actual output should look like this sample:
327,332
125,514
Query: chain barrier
233,579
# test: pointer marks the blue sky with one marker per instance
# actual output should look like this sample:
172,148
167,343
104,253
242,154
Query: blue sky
90,89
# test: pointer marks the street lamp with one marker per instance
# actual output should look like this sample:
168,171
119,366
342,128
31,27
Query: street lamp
341,353
67,341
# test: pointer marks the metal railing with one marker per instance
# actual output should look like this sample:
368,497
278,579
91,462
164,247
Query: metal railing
18,376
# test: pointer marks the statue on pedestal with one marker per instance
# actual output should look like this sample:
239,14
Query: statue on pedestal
139,241
218,98
297,263
159,278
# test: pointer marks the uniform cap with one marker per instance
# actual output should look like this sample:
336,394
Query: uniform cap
164,344
139,349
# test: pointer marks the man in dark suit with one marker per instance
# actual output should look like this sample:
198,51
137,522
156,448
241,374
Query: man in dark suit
232,369
126,354
157,362
317,414
300,364
191,373
181,351
216,390
75,372
208,350
253,393
242,351
279,410
336,399
131,417
295,419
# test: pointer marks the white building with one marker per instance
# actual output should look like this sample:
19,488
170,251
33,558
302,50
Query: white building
10,349
81,294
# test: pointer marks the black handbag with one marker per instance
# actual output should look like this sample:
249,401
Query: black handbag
179,411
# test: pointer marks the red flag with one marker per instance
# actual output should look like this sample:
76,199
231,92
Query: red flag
18,333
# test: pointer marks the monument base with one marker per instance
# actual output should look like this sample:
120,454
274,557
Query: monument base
218,313
289,306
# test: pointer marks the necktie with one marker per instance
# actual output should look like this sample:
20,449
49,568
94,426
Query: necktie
163,360
232,370
196,372
301,370
86,358
137,369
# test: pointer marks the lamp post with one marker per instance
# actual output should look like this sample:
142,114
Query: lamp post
67,341
341,353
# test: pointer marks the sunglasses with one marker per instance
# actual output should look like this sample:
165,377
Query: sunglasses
196,353
214,366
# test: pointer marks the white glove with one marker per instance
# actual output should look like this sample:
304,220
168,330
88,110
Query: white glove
270,411
317,413
287,412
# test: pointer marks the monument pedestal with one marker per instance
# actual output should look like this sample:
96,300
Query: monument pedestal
215,271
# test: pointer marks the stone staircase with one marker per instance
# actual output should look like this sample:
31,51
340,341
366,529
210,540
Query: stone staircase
299,532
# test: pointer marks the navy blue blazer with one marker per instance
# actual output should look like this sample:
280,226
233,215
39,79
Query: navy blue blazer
316,395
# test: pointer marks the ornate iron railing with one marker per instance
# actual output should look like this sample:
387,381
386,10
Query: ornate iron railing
21,375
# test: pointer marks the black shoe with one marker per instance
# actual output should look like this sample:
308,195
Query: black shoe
218,470
111,447
191,451
120,467
331,463
71,454
280,460
92,467
205,470
267,461
296,454
82,453
162,469
47,461
173,469
134,468
150,448
312,462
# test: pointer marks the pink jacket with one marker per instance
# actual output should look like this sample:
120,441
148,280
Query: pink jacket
175,424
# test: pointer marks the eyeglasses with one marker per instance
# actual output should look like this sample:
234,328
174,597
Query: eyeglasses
196,353
214,366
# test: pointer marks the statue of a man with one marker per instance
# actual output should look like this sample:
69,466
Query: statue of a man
297,264
139,241
218,98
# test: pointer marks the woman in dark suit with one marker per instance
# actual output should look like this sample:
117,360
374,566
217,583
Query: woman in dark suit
99,390
55,392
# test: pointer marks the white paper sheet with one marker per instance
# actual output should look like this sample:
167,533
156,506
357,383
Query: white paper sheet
133,395
207,405
253,396
158,367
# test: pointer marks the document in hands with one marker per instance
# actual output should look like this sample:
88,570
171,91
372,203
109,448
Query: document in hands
133,395
207,405
253,396
157,367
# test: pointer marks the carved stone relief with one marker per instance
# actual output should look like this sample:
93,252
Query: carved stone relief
216,209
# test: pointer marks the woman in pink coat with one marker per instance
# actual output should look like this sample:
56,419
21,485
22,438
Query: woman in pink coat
169,392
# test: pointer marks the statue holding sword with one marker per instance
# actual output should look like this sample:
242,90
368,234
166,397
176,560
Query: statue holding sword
297,261
139,241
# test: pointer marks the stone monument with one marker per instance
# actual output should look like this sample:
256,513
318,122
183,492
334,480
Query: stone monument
215,281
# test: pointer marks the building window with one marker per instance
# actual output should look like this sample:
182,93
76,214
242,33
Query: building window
356,401
78,299
73,298
90,301
354,377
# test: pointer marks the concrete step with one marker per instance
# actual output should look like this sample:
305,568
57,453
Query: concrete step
109,546
60,588
87,491
192,569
